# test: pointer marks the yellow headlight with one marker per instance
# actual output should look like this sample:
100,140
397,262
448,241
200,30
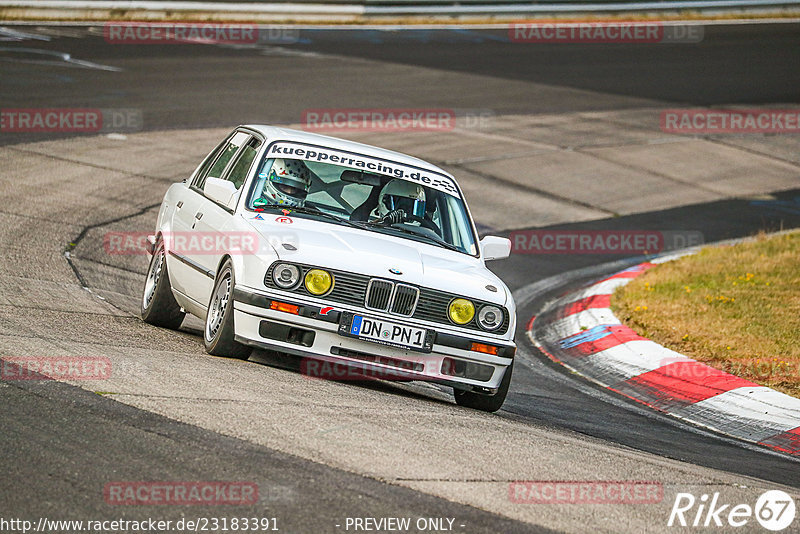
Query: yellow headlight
461,311
318,282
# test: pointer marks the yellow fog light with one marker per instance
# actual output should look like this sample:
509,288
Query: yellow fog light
461,311
318,282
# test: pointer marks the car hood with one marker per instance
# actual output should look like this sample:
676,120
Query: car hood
343,248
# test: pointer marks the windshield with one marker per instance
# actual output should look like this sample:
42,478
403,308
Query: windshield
374,202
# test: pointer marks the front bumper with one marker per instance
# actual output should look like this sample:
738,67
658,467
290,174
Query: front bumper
311,330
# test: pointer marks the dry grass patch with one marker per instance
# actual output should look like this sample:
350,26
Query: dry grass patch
735,308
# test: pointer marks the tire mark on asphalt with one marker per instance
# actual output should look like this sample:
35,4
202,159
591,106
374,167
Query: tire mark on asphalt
749,150
93,165
109,265
86,229
530,189
684,183
76,312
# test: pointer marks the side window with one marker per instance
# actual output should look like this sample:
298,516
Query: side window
238,173
200,177
218,167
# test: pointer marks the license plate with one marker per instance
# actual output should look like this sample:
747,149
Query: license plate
386,332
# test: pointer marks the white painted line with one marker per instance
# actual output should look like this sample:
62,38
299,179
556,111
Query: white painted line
8,34
52,57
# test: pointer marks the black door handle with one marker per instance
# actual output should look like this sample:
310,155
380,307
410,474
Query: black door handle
180,204
198,215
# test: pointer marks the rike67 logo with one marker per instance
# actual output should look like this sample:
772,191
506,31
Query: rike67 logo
774,510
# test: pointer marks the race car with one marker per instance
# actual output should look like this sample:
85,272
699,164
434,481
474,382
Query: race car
339,253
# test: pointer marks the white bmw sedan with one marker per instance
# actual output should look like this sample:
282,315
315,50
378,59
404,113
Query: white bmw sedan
340,253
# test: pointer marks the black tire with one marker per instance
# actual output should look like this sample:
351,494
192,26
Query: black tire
486,403
158,305
218,332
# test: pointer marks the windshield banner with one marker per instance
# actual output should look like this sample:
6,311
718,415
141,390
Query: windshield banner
289,150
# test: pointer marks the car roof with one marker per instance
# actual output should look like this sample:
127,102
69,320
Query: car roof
275,133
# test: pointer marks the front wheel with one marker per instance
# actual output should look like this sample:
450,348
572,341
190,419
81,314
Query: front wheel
218,334
486,403
158,306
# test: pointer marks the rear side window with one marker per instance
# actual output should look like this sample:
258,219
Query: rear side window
238,173
216,168
200,177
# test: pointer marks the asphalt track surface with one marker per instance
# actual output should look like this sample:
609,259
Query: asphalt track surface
174,84
182,87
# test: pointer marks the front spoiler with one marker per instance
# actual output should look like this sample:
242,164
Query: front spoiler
367,367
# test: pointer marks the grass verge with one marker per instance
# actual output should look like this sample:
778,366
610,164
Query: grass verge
735,308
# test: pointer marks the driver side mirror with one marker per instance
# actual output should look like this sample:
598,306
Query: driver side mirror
221,191
495,248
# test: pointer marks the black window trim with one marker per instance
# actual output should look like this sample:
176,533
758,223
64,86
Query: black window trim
252,135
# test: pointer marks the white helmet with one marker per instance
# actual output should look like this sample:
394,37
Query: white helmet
288,183
402,195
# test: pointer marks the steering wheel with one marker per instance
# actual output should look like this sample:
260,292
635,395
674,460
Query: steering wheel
424,223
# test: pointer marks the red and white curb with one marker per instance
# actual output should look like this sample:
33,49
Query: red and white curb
580,332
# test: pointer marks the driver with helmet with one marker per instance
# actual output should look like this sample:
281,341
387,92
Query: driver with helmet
287,184
402,195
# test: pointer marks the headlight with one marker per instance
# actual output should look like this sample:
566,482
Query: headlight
286,275
490,317
318,282
461,311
